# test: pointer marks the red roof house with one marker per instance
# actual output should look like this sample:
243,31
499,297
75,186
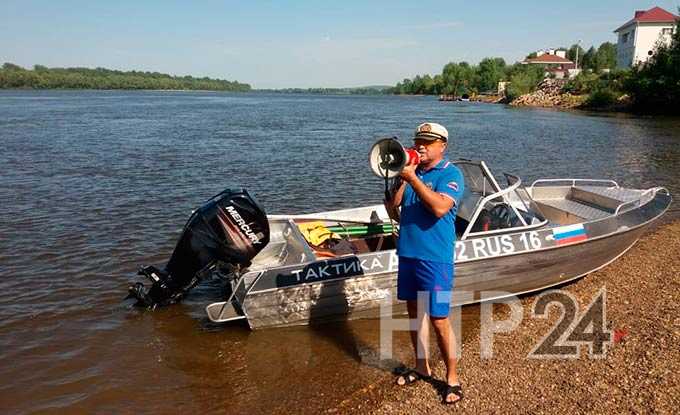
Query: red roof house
653,15
554,64
639,37
549,59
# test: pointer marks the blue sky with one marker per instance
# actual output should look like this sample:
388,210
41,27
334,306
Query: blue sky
299,43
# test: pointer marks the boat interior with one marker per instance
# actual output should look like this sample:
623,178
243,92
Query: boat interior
485,209
576,203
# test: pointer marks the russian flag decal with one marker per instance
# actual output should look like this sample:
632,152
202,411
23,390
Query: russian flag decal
569,234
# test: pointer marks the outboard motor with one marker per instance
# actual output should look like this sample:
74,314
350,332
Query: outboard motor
231,228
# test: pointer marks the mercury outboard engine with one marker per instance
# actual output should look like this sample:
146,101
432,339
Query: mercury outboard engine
231,228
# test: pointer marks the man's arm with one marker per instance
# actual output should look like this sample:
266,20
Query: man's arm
437,203
392,204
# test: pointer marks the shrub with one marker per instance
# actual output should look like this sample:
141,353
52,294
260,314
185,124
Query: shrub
602,97
523,81
655,85
582,83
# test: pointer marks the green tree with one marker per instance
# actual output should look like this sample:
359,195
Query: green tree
438,86
11,67
489,72
417,85
428,85
451,78
571,53
587,61
523,79
469,78
457,78
605,58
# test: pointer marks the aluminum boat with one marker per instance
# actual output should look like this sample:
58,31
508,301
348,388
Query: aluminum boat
511,240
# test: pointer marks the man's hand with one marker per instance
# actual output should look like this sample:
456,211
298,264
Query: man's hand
408,173
437,203
393,198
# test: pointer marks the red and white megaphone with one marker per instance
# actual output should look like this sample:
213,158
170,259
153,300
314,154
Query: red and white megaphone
388,157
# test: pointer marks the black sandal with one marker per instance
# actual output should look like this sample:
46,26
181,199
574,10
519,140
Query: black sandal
410,377
453,390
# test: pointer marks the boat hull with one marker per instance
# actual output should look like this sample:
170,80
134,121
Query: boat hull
476,281
495,266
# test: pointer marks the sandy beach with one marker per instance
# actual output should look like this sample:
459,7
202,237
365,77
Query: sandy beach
640,373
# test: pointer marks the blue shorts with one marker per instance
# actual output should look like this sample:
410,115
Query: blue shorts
435,278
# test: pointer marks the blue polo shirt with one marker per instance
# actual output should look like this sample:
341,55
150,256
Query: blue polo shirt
421,234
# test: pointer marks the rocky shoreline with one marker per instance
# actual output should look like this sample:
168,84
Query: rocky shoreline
549,94
640,373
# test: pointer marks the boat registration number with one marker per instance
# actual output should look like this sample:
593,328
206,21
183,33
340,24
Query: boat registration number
501,245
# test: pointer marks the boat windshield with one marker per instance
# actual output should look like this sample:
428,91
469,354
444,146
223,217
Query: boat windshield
486,207
476,179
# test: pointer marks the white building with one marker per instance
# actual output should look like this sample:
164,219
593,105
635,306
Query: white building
639,36
557,52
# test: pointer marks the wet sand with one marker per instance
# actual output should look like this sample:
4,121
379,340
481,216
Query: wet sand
640,373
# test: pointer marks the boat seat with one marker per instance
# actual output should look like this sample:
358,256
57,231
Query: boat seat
609,198
578,203
575,208
273,253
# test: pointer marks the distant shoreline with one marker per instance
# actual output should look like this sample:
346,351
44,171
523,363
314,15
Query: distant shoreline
121,89
41,77
258,91
101,79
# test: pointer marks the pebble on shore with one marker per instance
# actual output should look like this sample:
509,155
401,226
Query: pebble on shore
640,373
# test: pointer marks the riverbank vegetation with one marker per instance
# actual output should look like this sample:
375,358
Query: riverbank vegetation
41,77
650,87
655,85
458,78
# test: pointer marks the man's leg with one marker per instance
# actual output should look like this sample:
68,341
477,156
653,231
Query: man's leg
420,338
407,289
447,345
440,307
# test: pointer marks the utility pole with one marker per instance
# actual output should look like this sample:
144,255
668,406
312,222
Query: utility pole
578,45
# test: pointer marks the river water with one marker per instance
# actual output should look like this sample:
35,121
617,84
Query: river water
95,184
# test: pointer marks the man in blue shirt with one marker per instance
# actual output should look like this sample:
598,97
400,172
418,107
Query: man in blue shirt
429,196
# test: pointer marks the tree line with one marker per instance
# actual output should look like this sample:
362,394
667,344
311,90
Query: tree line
41,77
458,78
